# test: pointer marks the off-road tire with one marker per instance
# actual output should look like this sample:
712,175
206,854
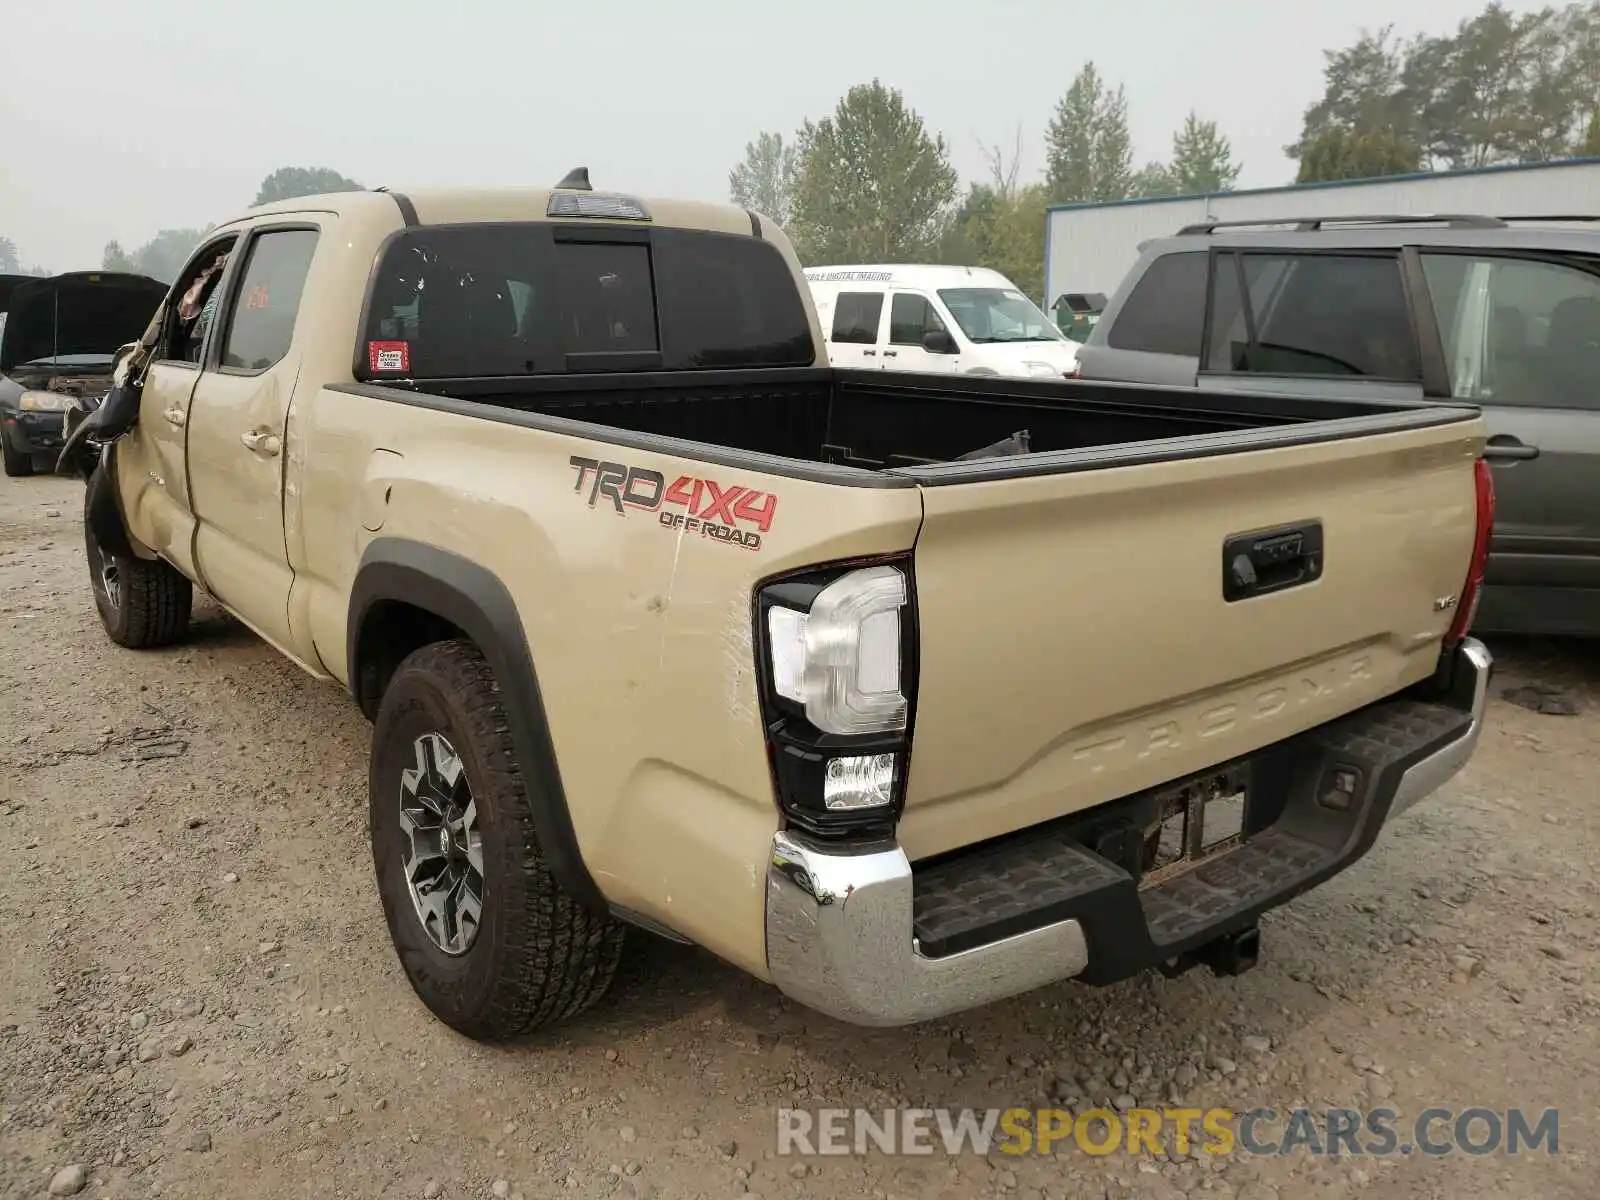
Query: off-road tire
152,600
539,957
17,464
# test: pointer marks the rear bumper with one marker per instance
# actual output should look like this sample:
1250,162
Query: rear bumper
1471,692
871,939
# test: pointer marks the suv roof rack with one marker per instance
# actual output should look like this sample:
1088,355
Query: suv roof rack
1555,217
1311,224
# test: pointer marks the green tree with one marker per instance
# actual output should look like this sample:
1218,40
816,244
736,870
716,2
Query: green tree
1088,149
1002,231
1361,89
765,181
1342,154
1590,146
1202,159
1017,240
1153,179
874,184
978,232
288,182
1506,89
1502,86
1423,106
1553,103
162,257
1113,147
968,239
116,258
1582,24
10,264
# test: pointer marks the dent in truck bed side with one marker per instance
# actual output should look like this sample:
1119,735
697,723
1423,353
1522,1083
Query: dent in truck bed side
479,605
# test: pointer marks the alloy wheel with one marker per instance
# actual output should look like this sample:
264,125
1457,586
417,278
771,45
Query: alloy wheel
442,848
110,577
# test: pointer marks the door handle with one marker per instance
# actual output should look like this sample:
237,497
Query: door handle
891,353
874,353
1271,560
261,442
176,416
1502,447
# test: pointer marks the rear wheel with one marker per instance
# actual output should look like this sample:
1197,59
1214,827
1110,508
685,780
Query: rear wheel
17,463
488,939
142,603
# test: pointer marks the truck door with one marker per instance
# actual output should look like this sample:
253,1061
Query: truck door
238,434
856,332
1522,338
151,465
911,318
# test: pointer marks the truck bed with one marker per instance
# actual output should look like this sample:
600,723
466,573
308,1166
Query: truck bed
885,421
1085,628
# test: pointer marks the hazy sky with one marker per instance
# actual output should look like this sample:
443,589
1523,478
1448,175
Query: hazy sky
117,119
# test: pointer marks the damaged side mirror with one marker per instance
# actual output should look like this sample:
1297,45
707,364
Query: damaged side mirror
94,421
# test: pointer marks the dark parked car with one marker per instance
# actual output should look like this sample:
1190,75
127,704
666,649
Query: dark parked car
57,342
1503,312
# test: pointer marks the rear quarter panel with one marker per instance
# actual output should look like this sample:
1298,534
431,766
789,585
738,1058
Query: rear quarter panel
641,634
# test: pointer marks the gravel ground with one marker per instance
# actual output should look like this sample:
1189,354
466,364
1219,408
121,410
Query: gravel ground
198,996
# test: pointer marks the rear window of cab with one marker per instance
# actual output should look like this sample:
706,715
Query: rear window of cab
540,298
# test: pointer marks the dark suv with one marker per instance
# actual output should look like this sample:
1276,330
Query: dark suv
1503,312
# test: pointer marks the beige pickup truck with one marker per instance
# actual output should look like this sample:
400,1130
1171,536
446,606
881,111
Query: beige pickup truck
903,693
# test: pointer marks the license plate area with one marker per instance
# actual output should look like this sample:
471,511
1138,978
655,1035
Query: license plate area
1195,822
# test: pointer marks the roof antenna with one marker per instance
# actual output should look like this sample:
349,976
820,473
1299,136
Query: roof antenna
576,180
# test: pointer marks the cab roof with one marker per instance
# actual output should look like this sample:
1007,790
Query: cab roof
463,205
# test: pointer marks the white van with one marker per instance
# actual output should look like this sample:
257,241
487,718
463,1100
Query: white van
936,319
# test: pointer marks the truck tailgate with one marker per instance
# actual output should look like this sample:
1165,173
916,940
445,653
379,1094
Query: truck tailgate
1077,644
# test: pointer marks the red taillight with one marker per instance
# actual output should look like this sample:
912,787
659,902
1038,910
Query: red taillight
1467,605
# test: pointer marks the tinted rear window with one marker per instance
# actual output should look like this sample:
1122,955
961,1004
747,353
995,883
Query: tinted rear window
856,316
1166,311
606,298
1312,314
521,299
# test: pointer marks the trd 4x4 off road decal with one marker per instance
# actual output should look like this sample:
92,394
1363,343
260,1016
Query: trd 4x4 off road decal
732,513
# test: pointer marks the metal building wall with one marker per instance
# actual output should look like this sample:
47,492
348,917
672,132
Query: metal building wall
1090,247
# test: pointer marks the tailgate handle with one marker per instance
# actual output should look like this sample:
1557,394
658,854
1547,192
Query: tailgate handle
1271,560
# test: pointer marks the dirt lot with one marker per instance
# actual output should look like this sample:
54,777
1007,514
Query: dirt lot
198,998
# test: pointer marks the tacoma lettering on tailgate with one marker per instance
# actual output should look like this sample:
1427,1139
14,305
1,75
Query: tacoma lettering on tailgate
721,512
1290,694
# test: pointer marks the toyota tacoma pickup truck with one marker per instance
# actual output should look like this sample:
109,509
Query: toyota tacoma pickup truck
903,693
